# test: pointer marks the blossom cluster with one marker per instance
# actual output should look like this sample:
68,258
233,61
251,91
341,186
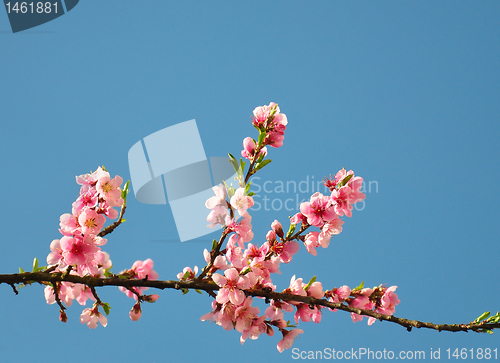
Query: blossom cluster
79,252
247,266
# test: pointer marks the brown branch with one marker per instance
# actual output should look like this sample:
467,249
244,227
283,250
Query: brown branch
112,227
210,287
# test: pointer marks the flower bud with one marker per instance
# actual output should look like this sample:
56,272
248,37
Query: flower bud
276,226
135,312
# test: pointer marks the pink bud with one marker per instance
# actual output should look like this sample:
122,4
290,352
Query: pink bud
271,237
151,298
135,312
276,226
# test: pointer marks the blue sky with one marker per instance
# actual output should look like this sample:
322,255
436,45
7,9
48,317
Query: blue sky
403,93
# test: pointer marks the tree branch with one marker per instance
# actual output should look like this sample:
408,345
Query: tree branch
210,287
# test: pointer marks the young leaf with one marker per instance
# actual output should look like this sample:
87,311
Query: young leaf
313,279
106,308
247,188
125,190
21,270
262,164
290,230
198,291
214,245
260,158
35,265
482,317
233,162
262,136
345,180
361,285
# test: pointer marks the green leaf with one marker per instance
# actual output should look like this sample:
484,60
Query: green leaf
486,331
234,162
251,194
186,275
184,291
361,285
35,265
290,230
260,158
261,164
198,291
242,165
482,317
262,136
214,245
311,281
21,270
106,308
246,271
345,180
125,190
247,188
495,318
290,325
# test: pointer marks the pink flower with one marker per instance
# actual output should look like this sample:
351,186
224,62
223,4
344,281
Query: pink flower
91,222
248,151
243,229
76,251
241,202
330,228
144,269
272,121
107,209
361,301
109,189
69,225
296,287
55,256
340,198
221,315
274,311
285,250
388,301
220,262
256,254
86,200
217,216
339,295
219,200
91,317
140,270
319,210
245,314
298,218
311,242
187,273
305,313
316,290
288,339
257,327
231,285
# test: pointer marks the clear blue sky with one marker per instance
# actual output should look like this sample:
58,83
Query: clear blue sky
404,93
